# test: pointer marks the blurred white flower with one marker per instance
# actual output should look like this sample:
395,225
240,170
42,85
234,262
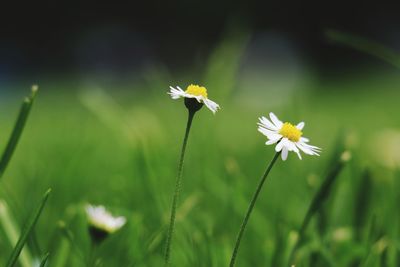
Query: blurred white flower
194,91
101,219
287,136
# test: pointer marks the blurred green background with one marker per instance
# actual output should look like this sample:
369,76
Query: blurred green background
104,131
120,148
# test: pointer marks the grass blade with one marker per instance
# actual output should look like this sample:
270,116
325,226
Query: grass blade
362,203
27,229
60,258
17,131
319,198
12,232
70,237
44,260
324,190
364,45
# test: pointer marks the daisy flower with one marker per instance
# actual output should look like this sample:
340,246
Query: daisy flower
287,136
194,92
101,220
195,97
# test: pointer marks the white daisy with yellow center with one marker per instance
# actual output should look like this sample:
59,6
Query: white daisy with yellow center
288,136
101,219
194,91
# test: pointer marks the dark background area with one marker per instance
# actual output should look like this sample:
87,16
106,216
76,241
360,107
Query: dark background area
59,37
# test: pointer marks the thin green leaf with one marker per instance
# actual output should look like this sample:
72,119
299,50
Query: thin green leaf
27,230
364,45
44,260
17,131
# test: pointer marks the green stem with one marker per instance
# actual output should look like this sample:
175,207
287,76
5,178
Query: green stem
177,189
250,209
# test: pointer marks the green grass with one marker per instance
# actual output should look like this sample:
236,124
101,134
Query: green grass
120,148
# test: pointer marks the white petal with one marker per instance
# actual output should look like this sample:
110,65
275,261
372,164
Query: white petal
307,149
119,222
275,120
300,126
298,154
296,150
313,147
176,93
267,124
268,133
281,144
304,149
272,141
199,98
191,96
304,140
176,89
290,145
211,105
284,153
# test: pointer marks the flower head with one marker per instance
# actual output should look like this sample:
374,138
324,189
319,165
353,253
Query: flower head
101,222
288,137
194,92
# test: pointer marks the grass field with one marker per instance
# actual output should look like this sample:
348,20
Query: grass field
120,148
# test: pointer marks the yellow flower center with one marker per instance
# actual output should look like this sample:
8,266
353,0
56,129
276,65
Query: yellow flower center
196,90
290,131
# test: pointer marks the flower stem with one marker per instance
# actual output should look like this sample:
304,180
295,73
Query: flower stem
177,188
250,208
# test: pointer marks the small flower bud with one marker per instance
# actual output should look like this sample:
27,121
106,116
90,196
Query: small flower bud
193,105
97,235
